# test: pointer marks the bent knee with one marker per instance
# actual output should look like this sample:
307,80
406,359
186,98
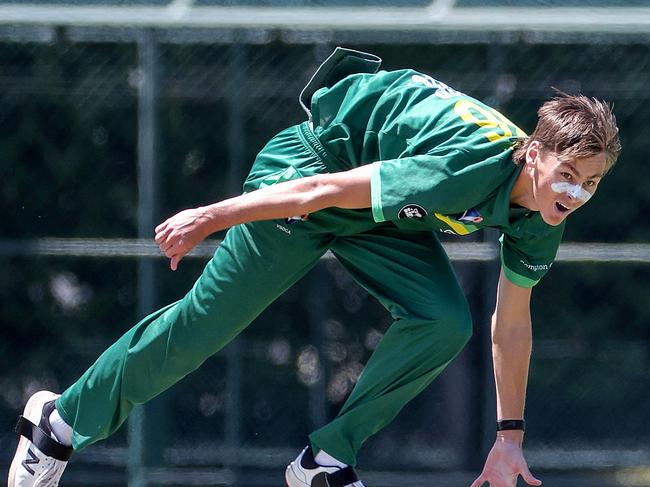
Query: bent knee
454,323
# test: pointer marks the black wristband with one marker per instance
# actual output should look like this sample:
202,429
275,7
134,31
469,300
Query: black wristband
511,424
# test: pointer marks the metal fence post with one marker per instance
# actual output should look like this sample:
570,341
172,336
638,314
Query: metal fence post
236,152
318,299
147,203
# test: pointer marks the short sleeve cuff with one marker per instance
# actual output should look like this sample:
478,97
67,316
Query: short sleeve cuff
514,276
517,279
375,193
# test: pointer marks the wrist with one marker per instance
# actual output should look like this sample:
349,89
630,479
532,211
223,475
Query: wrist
510,436
511,431
210,219
511,424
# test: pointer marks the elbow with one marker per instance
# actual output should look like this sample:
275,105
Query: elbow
311,188
318,193
315,196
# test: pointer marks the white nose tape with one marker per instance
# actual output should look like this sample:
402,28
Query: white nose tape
573,190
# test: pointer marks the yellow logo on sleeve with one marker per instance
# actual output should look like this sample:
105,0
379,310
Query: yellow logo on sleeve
456,226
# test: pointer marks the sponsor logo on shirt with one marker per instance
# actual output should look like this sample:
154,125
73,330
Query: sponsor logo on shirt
536,267
411,211
283,229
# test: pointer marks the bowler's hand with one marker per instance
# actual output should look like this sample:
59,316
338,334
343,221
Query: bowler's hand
503,465
179,234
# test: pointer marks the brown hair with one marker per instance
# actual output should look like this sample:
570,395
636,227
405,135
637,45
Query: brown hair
574,126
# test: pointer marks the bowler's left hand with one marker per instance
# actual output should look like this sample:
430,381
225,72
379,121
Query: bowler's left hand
504,465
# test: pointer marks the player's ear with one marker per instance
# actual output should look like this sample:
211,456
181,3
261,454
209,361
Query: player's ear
533,153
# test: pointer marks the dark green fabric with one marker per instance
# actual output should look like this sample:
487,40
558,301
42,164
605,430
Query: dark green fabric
445,164
407,271
443,161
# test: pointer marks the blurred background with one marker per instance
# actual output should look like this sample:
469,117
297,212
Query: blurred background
115,114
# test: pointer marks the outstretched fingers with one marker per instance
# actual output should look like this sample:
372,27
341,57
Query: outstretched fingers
479,481
529,478
501,482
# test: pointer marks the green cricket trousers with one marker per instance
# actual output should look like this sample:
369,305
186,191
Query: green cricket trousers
408,272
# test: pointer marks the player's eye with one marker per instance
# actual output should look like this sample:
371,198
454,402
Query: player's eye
567,176
590,183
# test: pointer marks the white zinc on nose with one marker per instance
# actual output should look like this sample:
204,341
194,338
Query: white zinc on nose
573,190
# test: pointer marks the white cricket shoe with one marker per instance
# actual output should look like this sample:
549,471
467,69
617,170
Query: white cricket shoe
305,472
40,459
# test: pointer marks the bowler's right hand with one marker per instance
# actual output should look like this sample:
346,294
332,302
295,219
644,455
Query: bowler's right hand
180,233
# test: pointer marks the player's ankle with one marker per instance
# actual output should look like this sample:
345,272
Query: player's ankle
61,430
324,459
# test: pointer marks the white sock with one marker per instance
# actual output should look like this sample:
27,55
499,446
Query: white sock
324,459
60,429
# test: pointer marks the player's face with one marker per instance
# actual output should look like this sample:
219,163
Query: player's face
561,186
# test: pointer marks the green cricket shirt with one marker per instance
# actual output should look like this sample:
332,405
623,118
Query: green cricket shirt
442,160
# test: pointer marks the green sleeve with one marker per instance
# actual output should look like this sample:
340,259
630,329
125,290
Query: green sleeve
526,258
447,181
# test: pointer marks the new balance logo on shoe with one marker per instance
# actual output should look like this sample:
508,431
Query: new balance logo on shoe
40,459
32,460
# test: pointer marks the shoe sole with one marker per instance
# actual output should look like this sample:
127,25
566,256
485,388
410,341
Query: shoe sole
33,410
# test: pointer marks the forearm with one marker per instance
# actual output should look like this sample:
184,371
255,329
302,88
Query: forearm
290,198
511,349
177,235
350,189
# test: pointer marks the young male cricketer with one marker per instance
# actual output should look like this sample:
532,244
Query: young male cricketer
385,158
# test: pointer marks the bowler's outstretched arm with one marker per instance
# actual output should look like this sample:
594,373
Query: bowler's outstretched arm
177,235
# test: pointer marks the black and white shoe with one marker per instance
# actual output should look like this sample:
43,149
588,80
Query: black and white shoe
40,459
305,472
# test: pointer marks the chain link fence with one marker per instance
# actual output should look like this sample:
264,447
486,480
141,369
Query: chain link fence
72,125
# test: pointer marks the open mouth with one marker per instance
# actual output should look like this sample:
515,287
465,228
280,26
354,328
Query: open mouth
560,207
